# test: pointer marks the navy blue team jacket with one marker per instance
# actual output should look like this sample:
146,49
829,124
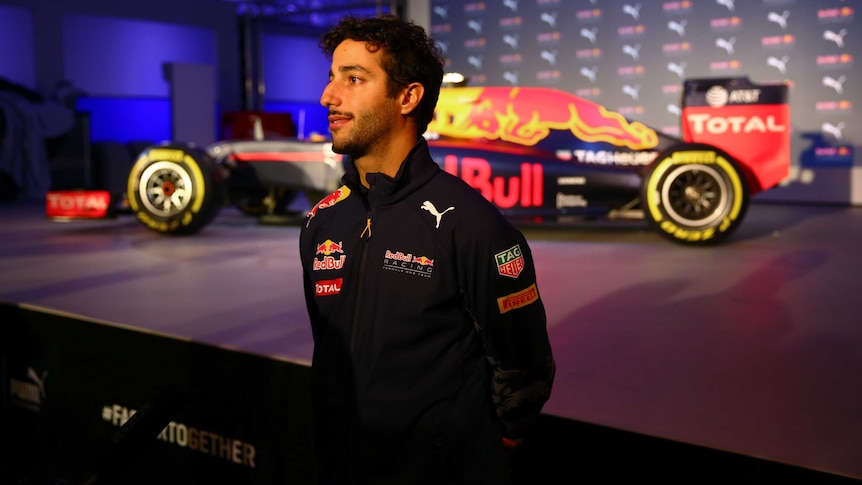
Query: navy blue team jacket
430,338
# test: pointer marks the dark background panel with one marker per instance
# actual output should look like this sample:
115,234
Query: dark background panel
228,417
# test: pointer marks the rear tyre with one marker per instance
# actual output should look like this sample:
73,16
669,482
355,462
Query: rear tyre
175,189
695,195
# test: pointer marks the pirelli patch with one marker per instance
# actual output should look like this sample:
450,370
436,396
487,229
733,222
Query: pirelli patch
518,299
510,262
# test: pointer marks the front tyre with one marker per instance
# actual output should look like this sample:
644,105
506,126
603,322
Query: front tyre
175,189
695,195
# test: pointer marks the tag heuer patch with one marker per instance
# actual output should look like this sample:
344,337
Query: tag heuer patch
510,262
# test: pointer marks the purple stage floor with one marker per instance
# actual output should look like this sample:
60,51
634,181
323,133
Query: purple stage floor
753,347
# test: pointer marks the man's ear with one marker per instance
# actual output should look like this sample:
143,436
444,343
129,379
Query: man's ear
411,96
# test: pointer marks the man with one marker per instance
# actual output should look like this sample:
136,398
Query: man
431,352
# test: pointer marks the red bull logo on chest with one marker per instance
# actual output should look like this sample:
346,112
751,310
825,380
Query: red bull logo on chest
408,263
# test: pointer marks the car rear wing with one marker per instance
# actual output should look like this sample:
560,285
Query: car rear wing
749,121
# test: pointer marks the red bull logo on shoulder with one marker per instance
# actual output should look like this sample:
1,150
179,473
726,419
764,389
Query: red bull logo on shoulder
329,247
526,116
330,200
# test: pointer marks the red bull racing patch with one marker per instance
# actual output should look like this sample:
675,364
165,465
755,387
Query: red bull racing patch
408,263
331,256
510,262
518,299
330,200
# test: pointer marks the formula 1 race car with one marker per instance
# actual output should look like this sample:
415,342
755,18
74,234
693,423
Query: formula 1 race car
538,154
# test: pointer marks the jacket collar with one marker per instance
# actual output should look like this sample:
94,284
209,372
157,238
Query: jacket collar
416,169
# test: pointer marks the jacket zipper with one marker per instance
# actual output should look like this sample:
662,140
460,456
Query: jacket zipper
357,304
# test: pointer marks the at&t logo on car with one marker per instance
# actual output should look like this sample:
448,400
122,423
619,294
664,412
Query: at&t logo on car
719,97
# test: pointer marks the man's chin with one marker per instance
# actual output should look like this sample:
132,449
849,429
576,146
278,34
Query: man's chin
340,149
345,149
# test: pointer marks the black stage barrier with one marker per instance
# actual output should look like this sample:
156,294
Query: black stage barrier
91,403
208,415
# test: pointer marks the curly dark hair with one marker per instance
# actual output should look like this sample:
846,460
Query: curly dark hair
409,55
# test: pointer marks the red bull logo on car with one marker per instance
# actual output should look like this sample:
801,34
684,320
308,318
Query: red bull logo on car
526,116
526,190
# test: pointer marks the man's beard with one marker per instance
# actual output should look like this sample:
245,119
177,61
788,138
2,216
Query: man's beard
366,130
350,147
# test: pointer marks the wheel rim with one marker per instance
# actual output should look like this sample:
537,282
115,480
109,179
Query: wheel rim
697,195
165,188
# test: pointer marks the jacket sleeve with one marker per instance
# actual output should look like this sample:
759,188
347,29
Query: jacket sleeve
503,297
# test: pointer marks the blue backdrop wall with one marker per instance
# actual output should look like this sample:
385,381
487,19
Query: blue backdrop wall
631,56
627,55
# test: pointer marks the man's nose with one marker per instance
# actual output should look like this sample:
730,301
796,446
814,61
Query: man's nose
328,97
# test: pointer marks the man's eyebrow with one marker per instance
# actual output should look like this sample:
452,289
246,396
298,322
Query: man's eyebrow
352,67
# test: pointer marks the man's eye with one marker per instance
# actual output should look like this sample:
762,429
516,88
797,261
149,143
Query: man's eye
354,79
